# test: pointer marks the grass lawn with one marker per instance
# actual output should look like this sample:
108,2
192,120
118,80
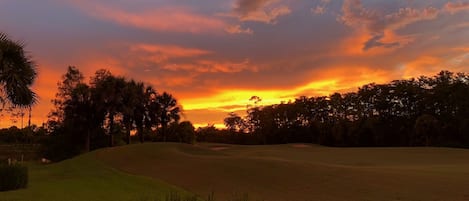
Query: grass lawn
86,179
291,172
301,172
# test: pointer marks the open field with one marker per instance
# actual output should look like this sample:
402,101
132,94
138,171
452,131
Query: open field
301,172
273,172
85,179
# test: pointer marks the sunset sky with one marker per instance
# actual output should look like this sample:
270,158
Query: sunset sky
213,55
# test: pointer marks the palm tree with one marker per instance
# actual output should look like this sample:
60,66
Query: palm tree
169,111
17,73
133,107
151,111
108,92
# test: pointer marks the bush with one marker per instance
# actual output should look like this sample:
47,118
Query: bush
13,177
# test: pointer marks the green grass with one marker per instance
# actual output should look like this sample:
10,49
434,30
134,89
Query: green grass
86,179
270,173
292,172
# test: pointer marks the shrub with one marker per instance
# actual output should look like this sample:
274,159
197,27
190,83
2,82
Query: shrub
13,177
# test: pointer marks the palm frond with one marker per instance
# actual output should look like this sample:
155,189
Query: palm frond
17,72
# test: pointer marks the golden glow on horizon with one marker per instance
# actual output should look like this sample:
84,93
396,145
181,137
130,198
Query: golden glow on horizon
236,100
195,51
240,97
207,124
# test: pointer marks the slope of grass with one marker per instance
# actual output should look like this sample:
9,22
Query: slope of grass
86,179
275,172
301,172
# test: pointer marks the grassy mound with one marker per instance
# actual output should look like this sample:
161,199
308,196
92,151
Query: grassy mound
301,172
86,179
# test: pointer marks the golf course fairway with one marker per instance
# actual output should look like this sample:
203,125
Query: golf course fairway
294,172
84,178
300,171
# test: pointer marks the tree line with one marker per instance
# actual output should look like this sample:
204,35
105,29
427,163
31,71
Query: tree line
107,111
427,111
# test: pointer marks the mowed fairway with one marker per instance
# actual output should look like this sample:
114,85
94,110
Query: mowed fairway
300,172
86,179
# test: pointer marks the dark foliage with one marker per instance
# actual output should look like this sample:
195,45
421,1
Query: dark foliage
106,112
17,73
27,135
428,111
13,177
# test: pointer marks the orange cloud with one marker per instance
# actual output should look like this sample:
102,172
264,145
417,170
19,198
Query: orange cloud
166,19
318,10
424,65
209,66
354,14
237,29
454,7
406,16
363,43
430,65
266,11
379,28
161,53
173,81
177,58
321,8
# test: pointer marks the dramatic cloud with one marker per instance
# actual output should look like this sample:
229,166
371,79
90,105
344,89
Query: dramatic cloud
208,66
171,19
161,53
321,7
182,59
377,24
237,29
214,55
376,42
355,14
266,11
422,65
454,7
406,16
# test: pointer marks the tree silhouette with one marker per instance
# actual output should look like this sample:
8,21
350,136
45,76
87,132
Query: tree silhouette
70,80
17,73
168,111
133,106
235,123
109,94
429,111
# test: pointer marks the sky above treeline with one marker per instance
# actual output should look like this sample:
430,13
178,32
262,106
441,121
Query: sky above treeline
214,55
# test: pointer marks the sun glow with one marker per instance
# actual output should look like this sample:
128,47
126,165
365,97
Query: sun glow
237,99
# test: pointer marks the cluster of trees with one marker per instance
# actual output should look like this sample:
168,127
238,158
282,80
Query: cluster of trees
107,111
28,135
428,111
